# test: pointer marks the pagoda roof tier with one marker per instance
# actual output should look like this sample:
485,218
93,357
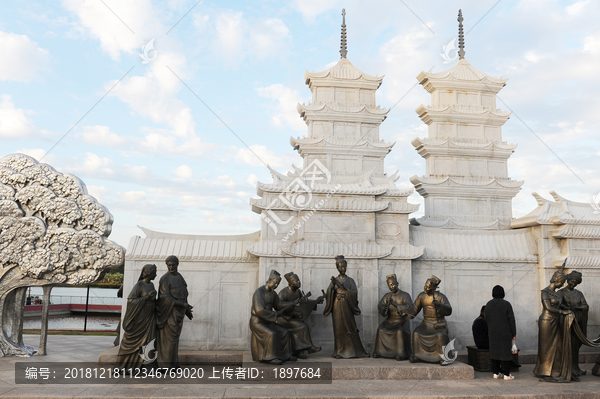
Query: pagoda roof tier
451,223
341,145
331,204
461,76
356,189
401,207
330,249
342,74
459,114
449,147
364,179
563,211
466,187
579,262
327,112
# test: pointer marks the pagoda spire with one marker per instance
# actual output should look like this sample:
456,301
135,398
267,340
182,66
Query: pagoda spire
461,37
343,50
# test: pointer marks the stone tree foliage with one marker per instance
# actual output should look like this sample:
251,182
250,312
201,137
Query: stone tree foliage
51,232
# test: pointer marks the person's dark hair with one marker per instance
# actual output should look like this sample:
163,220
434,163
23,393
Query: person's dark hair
482,309
498,292
172,258
340,259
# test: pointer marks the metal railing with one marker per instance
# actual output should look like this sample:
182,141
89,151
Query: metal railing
80,300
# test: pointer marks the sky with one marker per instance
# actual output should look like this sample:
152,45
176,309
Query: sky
168,142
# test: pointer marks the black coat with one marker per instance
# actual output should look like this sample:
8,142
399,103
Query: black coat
502,328
480,333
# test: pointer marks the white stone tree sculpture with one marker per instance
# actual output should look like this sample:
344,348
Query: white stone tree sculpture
51,232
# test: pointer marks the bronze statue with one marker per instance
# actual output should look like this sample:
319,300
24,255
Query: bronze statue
293,317
172,307
575,301
393,334
342,304
271,342
139,324
432,334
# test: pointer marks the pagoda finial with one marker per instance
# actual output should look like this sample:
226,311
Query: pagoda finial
461,37
343,49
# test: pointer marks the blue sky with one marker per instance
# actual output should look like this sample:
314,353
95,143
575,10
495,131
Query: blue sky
156,156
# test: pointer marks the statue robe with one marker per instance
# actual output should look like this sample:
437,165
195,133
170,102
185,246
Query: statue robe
172,295
432,334
139,326
343,307
299,331
571,300
269,340
393,334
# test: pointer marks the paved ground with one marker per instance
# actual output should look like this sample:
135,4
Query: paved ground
78,348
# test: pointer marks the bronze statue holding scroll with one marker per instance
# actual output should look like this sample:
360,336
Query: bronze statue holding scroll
172,307
294,316
271,342
342,305
432,334
393,334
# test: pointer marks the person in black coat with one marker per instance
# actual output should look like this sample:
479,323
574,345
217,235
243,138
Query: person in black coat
480,331
502,329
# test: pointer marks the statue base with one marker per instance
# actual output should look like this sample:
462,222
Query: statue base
342,369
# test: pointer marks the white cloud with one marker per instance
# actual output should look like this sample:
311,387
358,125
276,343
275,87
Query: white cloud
257,155
21,58
310,9
102,136
285,111
226,181
98,192
38,154
237,37
100,22
575,9
94,164
13,121
252,179
184,172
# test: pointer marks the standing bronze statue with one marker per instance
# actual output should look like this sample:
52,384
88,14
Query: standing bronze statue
393,334
139,324
172,307
293,317
575,301
342,305
432,334
271,342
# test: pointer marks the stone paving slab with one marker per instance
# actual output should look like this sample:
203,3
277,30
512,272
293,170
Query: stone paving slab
525,385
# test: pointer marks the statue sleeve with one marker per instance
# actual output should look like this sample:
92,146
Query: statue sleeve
446,308
353,296
416,308
259,309
547,304
329,300
135,305
383,305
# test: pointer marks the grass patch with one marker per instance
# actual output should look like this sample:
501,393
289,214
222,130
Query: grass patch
101,333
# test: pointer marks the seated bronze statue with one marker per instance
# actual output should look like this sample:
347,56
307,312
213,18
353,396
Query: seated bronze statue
271,342
432,334
393,334
293,318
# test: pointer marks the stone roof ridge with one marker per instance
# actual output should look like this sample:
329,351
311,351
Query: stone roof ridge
329,108
467,181
332,204
563,211
462,71
462,109
355,188
474,245
153,234
330,249
347,142
577,231
450,223
342,70
451,142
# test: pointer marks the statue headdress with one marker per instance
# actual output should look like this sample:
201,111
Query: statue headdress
274,275
289,276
